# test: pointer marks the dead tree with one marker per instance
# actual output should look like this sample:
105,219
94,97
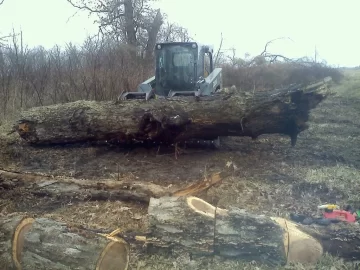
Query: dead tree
179,119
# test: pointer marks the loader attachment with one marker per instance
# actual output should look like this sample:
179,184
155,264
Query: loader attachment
145,91
183,93
135,95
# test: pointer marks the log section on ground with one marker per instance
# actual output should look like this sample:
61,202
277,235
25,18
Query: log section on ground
178,119
27,243
192,225
81,189
64,188
185,224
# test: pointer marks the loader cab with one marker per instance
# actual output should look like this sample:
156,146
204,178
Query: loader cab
180,65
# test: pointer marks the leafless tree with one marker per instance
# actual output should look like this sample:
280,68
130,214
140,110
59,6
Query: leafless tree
173,32
134,22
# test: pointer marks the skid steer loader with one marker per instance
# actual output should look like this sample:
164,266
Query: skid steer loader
181,69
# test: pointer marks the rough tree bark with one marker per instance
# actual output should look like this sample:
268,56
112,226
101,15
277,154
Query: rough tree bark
283,111
129,23
27,243
192,225
153,31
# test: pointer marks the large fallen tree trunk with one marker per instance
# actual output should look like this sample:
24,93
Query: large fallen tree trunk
193,225
27,243
283,111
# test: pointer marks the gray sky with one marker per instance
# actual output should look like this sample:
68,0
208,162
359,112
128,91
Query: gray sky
331,26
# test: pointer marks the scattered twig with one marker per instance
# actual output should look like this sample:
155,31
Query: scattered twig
202,185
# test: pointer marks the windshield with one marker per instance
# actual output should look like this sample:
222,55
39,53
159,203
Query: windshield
176,68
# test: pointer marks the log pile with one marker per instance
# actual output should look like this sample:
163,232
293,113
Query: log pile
181,224
172,120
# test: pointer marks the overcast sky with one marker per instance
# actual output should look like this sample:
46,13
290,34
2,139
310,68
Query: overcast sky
331,26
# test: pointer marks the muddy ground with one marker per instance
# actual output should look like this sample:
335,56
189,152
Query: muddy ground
269,177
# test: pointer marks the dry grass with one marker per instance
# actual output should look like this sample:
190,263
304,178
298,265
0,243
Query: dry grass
103,215
350,85
155,262
341,177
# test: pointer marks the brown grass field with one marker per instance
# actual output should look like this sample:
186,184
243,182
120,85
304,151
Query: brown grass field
270,178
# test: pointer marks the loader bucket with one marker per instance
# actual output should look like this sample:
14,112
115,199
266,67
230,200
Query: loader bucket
135,95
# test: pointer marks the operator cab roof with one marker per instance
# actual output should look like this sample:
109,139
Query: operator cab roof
199,45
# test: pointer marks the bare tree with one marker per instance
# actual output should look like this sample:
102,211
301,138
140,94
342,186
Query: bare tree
170,32
134,22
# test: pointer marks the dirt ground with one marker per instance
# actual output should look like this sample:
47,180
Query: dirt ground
270,177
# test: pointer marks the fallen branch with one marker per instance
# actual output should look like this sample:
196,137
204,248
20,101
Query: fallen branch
201,185
84,189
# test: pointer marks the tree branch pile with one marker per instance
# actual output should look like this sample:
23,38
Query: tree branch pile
179,119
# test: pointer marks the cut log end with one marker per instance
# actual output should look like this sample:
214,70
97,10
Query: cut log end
19,239
114,256
204,208
299,246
